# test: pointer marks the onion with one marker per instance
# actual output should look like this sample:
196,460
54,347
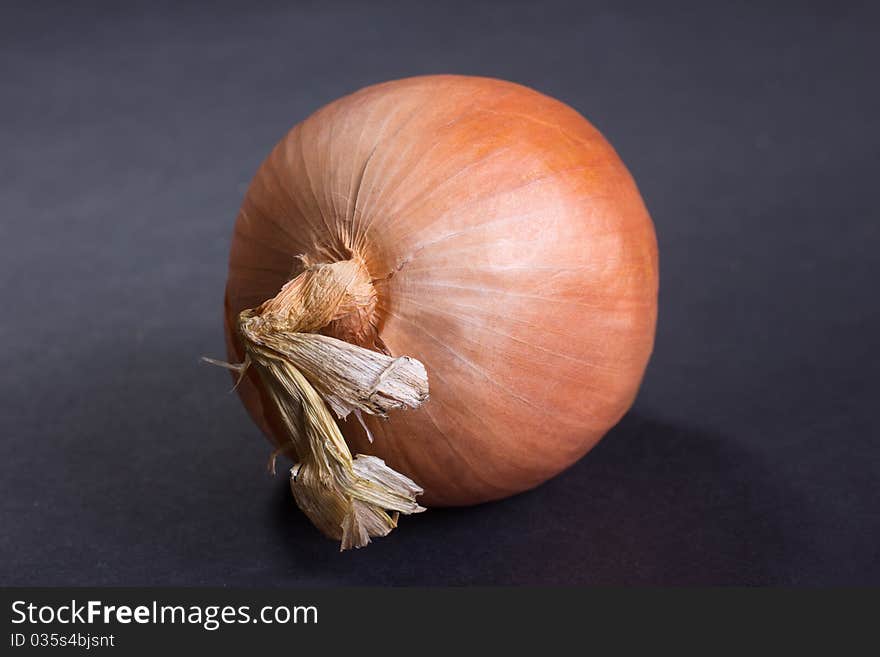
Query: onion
471,229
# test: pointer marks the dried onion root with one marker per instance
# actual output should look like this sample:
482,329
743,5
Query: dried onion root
307,374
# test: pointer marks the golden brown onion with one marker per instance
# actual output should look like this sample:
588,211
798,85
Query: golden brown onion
510,252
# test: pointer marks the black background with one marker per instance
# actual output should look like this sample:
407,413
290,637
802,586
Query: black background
128,135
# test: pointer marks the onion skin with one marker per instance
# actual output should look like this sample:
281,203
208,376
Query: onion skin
511,253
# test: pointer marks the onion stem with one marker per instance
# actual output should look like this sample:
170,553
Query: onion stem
350,499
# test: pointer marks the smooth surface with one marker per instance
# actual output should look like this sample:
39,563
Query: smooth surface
524,272
127,138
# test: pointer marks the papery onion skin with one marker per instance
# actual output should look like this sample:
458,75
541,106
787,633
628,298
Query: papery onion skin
511,252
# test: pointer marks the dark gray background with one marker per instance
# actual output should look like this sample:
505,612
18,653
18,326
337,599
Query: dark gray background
128,135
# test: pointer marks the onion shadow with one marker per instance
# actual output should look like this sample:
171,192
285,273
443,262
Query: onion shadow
654,503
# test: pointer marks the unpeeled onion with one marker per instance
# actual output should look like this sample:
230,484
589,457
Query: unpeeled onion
509,251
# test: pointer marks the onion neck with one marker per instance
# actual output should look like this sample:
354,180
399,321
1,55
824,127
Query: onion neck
306,373
335,298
